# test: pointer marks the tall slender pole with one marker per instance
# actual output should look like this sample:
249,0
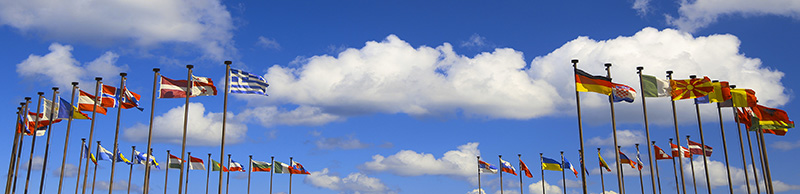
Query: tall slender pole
66,137
500,161
580,128
768,177
702,141
21,141
602,182
753,161
725,149
116,133
52,116
677,136
761,160
290,178
658,174
94,173
228,179
80,163
188,167
622,172
146,185
166,172
646,130
541,158
99,82
691,163
250,167
130,170
189,83
208,171
224,118
563,177
620,178
641,181
674,169
479,175
741,147
272,171
33,140
520,174
14,145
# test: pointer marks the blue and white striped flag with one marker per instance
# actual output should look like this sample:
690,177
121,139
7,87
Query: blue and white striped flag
246,83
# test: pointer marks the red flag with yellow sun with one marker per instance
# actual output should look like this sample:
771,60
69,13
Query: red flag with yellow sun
691,88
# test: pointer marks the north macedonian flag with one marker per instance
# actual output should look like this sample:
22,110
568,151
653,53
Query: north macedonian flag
691,88
585,82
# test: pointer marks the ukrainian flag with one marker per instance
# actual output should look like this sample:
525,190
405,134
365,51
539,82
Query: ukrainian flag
550,164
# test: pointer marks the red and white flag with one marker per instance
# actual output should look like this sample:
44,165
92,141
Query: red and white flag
201,86
196,164
697,148
660,154
235,166
86,103
675,152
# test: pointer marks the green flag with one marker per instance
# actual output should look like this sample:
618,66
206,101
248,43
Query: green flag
654,87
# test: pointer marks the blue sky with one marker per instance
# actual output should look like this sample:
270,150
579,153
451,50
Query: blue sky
400,96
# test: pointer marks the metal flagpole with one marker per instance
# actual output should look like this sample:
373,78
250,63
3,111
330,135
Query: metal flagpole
602,182
66,137
166,173
620,178
94,173
541,159
116,133
271,171
52,116
188,167
768,177
290,178
741,146
80,163
674,169
500,160
479,175
208,171
189,83
691,162
146,183
228,178
724,148
658,174
641,181
580,129
99,82
33,140
250,166
702,141
753,161
677,136
646,129
563,177
14,145
130,170
224,118
621,171
761,160
520,174
21,141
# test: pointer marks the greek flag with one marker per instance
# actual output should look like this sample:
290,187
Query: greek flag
246,83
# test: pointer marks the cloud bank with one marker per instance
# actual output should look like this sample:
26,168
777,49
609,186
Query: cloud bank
203,128
693,15
352,183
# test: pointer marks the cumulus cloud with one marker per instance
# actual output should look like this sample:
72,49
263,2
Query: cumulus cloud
697,14
475,41
70,170
61,68
625,138
331,143
477,191
203,128
548,188
36,164
352,183
303,115
458,164
268,43
786,145
719,176
641,6
205,24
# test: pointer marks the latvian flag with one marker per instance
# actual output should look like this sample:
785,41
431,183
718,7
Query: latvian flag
696,148
201,86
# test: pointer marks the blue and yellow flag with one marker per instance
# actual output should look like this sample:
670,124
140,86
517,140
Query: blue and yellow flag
550,164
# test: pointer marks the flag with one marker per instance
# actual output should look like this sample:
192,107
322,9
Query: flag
104,154
297,168
603,163
89,155
690,88
772,118
235,166
246,83
660,154
584,82
639,161
655,87
623,92
568,165
624,159
126,98
259,166
40,127
675,152
22,124
281,168
524,168
201,86
108,96
485,167
196,164
86,103
584,166
550,164
695,148
506,167
140,158
65,109
741,98
174,162
216,166
121,158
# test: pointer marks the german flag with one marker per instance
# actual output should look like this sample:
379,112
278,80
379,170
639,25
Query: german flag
585,82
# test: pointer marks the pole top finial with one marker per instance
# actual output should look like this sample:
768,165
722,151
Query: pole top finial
669,72
687,136
98,78
636,144
228,62
27,98
156,69
654,142
639,68
83,139
190,66
574,61
479,157
123,74
619,146
608,64
22,103
230,155
598,149
40,93
134,147
692,76
74,83
55,88
500,155
519,154
733,86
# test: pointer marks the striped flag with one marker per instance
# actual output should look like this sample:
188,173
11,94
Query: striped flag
568,165
281,168
697,148
174,162
235,166
86,103
506,167
216,166
196,164
259,166
297,168
247,83
201,86
485,167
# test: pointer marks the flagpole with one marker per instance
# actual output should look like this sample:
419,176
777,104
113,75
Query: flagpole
250,170
33,140
621,171
753,161
208,171
520,174
94,173
674,169
677,136
479,175
563,177
80,163
166,173
741,146
290,178
602,182
541,155
500,161
99,81
620,178
21,142
11,187
188,167
66,137
768,177
47,145
271,171
691,162
130,170
224,118
702,141
146,185
580,129
761,159
11,163
228,178
189,83
725,148
647,129
116,133
641,181
658,174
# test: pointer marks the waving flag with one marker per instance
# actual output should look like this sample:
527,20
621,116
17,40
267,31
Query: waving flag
690,88
174,162
585,82
550,164
568,165
675,152
201,86
655,87
697,148
639,161
660,154
259,166
623,92
196,163
506,167
485,167
297,168
624,159
89,155
524,168
140,158
65,110
126,98
281,168
86,102
104,154
247,83
235,166
216,166
603,163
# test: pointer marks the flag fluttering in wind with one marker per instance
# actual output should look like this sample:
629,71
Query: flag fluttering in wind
524,168
174,162
247,83
585,82
216,166
603,163
127,99
141,158
624,159
769,120
89,155
281,168
660,154
697,148
622,92
201,86
568,165
690,88
86,102
259,166
506,167
196,163
235,166
550,164
485,167
675,152
639,161
655,87
297,168
741,98
65,109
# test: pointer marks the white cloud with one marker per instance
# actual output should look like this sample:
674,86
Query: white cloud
70,170
345,143
475,41
718,176
536,188
119,185
700,13
203,128
477,191
625,138
205,24
268,43
61,68
36,164
303,115
454,163
641,6
786,145
352,183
